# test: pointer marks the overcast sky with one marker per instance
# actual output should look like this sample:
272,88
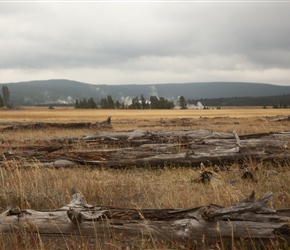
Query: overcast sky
145,42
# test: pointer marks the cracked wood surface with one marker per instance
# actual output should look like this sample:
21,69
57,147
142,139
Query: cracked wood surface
249,218
148,148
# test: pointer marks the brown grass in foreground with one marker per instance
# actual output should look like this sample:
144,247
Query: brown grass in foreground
172,186
139,187
169,187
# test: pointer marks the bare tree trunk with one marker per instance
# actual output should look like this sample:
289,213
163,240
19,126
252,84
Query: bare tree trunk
149,148
248,219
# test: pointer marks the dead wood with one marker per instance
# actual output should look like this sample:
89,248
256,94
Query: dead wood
247,219
152,148
281,119
76,125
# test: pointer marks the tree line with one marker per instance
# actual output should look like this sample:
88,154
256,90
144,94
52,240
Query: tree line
279,101
137,102
154,102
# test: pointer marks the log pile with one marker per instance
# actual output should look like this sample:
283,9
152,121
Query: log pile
249,220
149,148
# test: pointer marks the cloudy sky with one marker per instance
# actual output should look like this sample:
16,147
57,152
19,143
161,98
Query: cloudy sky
123,42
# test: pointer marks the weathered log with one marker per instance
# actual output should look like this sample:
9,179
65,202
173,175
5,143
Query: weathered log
155,148
281,119
247,219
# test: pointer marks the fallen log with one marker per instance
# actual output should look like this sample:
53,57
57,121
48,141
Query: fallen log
281,119
153,148
75,125
248,220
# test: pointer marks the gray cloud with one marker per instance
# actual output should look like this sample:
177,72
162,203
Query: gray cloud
143,42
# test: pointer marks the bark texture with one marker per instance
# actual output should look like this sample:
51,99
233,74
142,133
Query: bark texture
150,148
249,219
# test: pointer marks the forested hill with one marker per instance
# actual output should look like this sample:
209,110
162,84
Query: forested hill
67,91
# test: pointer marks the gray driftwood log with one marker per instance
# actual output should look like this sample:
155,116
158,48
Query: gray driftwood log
249,219
151,148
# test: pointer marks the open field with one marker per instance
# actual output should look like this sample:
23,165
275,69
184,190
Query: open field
247,120
167,187
33,114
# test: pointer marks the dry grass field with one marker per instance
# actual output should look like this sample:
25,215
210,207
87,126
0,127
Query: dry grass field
33,114
169,187
244,120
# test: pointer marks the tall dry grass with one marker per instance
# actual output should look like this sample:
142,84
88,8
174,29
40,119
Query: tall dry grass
168,187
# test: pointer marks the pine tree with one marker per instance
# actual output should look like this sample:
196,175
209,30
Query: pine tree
6,96
182,102
104,103
154,102
135,103
110,102
77,105
118,105
84,104
143,102
1,102
92,104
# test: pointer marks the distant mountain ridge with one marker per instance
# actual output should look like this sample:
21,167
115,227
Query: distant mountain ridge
66,91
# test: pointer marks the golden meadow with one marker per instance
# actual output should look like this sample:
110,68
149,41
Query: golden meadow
171,186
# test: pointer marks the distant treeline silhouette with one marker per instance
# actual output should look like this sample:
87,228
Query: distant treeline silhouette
279,101
154,102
